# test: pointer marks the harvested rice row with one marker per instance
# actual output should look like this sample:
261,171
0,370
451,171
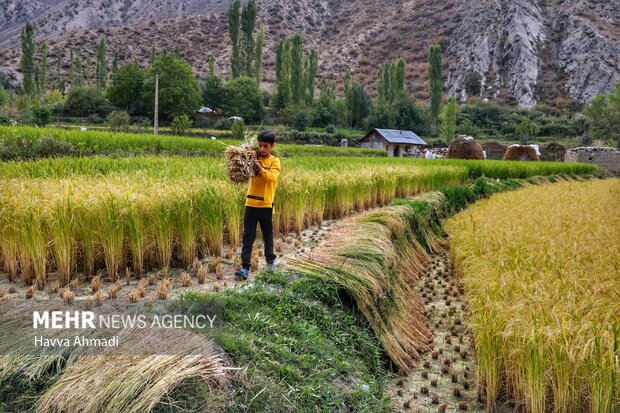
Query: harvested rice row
541,275
377,259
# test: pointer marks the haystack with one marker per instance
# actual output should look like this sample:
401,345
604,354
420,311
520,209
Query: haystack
521,153
494,149
465,147
239,163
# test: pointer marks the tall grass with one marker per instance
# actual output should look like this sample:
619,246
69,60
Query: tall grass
540,270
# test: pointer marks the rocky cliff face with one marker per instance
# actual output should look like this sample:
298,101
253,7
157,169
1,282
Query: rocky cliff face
525,51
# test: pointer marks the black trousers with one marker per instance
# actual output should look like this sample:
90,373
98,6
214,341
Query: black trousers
251,217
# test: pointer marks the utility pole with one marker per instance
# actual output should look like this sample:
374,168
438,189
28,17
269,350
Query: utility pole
155,121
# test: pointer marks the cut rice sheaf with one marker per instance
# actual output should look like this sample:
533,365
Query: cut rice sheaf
239,163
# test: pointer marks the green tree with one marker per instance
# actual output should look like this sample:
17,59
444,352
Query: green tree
407,115
391,81
297,80
233,32
179,91
358,104
258,59
102,66
126,88
447,129
243,98
78,74
60,84
311,69
85,101
41,115
118,121
283,78
43,69
524,130
4,97
473,83
26,61
603,112
88,71
434,81
248,23
181,124
213,92
237,130
115,63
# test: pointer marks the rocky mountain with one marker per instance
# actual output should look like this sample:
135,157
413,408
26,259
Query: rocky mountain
524,51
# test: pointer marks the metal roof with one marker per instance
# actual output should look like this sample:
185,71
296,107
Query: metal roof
401,136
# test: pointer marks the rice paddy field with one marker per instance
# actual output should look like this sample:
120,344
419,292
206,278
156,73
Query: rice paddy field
540,269
362,239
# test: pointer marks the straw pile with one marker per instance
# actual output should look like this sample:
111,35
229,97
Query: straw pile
465,147
521,153
239,163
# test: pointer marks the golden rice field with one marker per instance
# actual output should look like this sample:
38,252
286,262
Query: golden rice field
70,215
541,271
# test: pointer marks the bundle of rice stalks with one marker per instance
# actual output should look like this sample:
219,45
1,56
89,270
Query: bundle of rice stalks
135,383
521,153
239,163
376,258
465,147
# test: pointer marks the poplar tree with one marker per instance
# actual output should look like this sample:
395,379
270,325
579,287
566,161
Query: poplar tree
434,81
43,69
312,67
233,32
26,62
101,66
297,81
447,129
248,23
258,59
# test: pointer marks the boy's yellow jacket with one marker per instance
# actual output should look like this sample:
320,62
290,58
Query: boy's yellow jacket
263,187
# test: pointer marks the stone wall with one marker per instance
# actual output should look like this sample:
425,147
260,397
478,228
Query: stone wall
608,158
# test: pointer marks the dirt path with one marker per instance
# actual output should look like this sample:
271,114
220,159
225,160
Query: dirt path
445,379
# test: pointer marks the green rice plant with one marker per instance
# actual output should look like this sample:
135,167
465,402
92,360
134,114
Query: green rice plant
538,284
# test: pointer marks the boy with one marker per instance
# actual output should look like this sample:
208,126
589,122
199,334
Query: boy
259,204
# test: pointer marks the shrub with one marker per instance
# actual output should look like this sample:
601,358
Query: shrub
301,120
238,130
181,124
83,101
41,115
118,121
330,129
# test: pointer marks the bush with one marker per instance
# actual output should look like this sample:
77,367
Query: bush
83,101
118,121
238,130
181,124
330,129
41,115
301,120
243,98
223,124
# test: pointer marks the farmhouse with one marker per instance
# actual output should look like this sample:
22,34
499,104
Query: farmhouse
397,143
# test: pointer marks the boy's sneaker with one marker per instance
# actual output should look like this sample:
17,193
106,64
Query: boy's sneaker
243,273
271,267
